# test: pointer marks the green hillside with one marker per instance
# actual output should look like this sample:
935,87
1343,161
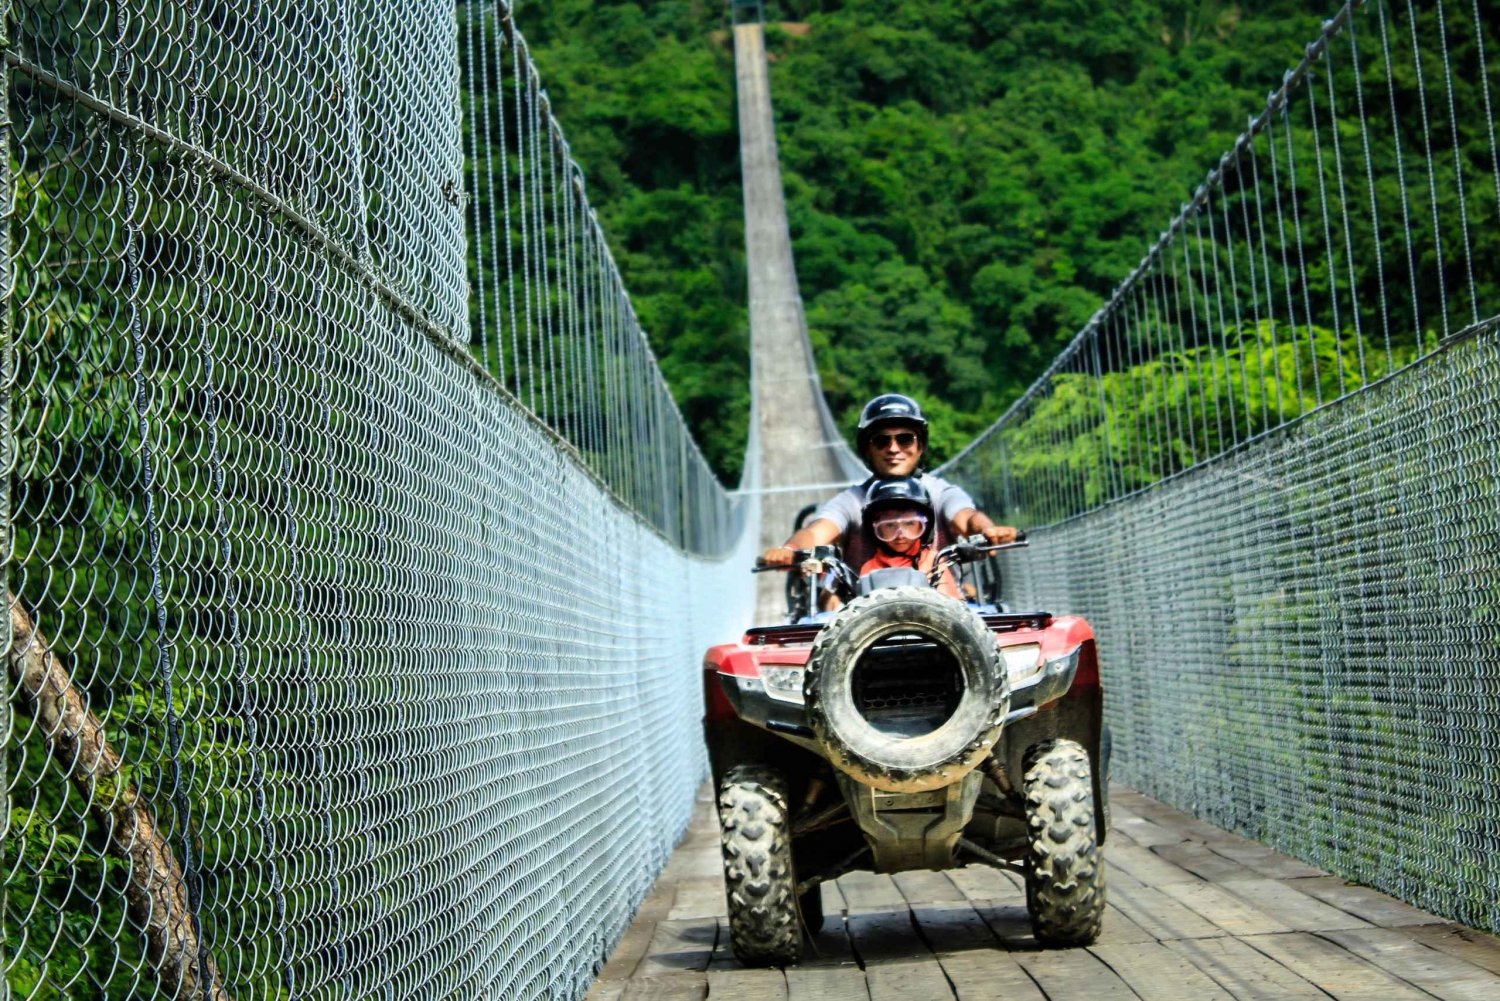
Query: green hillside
967,179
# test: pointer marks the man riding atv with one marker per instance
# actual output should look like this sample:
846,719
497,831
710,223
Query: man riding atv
891,438
903,729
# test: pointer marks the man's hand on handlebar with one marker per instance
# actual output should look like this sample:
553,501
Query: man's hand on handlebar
999,535
778,556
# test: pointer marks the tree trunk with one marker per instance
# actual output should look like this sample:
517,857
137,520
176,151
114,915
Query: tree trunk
156,892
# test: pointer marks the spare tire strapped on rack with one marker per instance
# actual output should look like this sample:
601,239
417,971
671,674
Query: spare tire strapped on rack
963,689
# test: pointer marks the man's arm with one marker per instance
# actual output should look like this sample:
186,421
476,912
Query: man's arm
972,521
818,533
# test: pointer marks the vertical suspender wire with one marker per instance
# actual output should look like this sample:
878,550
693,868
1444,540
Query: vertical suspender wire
1272,417
1238,327
1364,135
551,273
1286,267
1226,351
1431,163
1406,223
1213,311
1458,162
522,69
1489,111
1252,281
1302,279
1184,356
507,39
538,220
1329,255
477,87
1343,193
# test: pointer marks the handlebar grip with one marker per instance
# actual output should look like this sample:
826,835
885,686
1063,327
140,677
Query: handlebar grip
1020,535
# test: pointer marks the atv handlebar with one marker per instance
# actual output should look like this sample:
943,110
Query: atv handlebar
817,554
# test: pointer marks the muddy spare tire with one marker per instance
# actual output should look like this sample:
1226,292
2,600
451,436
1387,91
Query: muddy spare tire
906,689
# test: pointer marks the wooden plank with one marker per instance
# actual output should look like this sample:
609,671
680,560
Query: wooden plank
1262,860
1009,923
1120,930
987,975
1438,973
1247,974
606,990
907,980
1291,906
667,987
678,946
924,887
870,891
947,928
1198,860
1159,915
1069,974
1153,971
1141,831
981,883
834,983
1467,944
699,897
885,936
748,985
1224,909
1146,866
1333,969
1361,901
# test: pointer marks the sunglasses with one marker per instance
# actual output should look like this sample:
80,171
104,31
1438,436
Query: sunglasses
900,528
903,439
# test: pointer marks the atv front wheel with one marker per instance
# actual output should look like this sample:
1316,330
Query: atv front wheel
755,833
1065,865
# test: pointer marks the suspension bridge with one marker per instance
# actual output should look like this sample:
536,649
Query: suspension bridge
360,562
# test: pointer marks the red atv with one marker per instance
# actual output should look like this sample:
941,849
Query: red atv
906,730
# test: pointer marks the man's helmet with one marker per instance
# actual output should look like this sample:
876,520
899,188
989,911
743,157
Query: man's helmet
908,492
886,409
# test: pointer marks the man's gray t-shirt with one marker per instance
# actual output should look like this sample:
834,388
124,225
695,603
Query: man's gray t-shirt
846,510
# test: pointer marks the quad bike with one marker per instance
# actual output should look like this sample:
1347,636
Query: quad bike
905,730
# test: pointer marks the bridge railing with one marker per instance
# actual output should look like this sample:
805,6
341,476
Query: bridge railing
359,561
1269,467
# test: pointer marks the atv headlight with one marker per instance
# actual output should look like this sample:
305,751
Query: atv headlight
1022,661
783,683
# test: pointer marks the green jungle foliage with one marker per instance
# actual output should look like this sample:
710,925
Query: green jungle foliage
967,179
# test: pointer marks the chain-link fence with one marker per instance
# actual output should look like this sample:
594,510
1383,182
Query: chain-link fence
359,562
1271,471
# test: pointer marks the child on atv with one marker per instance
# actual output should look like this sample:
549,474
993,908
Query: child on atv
899,518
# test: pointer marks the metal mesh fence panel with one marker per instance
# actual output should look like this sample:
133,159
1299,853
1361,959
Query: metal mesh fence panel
353,654
1268,471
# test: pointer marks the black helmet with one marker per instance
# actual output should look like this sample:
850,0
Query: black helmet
885,409
906,491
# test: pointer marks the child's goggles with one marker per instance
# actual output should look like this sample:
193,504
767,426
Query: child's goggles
900,528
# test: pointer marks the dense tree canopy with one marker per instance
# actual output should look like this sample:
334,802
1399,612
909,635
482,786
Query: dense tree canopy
967,179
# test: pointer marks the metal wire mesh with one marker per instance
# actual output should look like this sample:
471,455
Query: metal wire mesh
359,560
1270,463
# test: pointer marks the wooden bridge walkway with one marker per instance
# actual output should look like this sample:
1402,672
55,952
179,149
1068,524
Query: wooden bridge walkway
1195,913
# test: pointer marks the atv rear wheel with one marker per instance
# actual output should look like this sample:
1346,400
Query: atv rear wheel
761,884
1065,865
906,689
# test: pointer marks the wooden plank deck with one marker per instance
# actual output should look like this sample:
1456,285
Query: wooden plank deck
1195,913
